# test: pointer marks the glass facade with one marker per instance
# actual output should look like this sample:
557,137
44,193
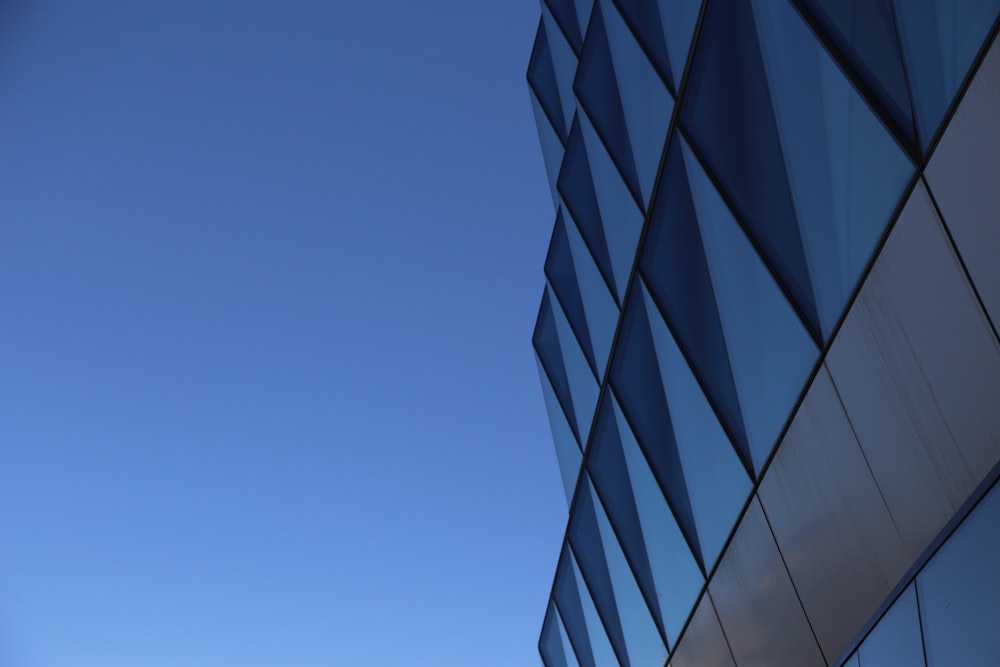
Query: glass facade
767,337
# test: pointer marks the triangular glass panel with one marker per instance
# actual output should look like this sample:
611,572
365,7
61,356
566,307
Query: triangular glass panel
597,90
675,268
665,28
636,379
717,482
542,79
864,36
941,39
568,453
553,645
846,171
565,14
564,64
769,350
728,116
562,275
568,598
645,100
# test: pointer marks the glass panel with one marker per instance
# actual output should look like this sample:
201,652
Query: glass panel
941,39
572,379
918,369
962,174
958,592
565,14
645,101
895,641
554,646
749,347
864,32
717,484
564,64
598,302
664,28
756,602
612,584
567,449
703,645
830,522
603,652
570,597
637,381
561,272
660,557
542,79
846,172
728,116
552,148
597,90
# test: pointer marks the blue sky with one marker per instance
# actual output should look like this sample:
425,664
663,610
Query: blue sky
268,272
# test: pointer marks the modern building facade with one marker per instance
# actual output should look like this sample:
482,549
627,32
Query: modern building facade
767,339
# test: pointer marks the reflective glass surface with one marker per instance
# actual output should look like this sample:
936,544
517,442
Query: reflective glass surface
747,344
564,64
560,269
657,550
664,27
567,450
940,40
565,14
846,172
552,148
542,79
626,616
703,644
895,641
572,378
554,645
958,592
757,605
864,32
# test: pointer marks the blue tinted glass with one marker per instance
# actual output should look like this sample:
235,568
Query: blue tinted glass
546,342
576,186
958,592
643,642
941,39
717,483
582,380
603,652
728,115
895,641
769,350
846,171
552,148
564,64
620,215
542,79
583,10
561,272
676,270
635,376
852,661
865,35
644,98
554,645
572,379
597,90
567,595
585,537
567,449
564,12
659,554
598,303
613,588
665,28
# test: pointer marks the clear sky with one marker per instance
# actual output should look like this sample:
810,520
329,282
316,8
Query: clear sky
268,273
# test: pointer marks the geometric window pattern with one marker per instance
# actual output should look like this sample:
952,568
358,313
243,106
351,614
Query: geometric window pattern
725,173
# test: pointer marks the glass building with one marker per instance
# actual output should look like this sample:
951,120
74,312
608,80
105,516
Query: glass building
767,339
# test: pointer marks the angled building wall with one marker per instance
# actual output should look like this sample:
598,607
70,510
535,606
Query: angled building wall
767,336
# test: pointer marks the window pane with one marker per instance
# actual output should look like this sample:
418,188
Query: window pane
895,641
